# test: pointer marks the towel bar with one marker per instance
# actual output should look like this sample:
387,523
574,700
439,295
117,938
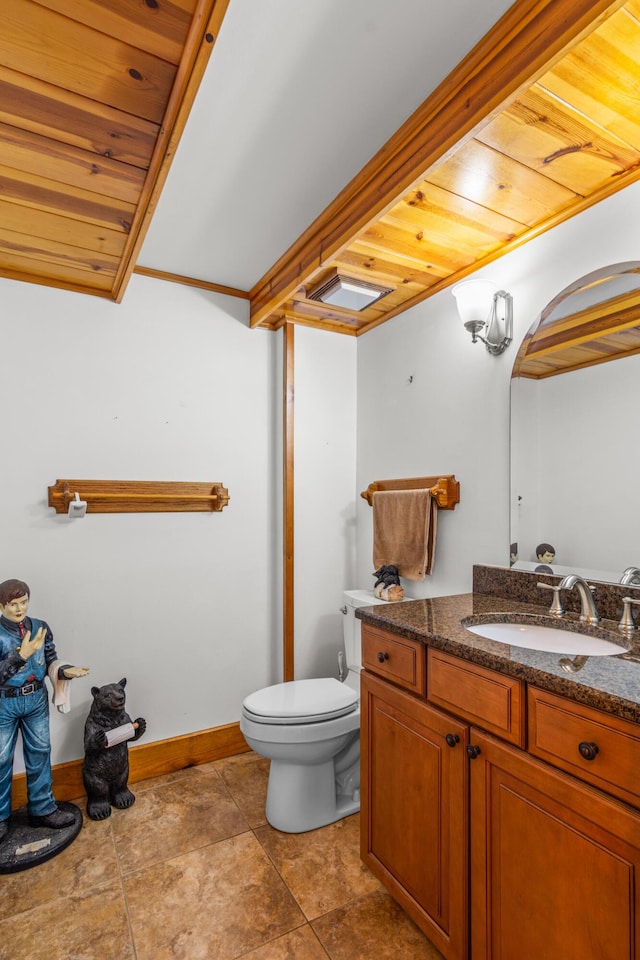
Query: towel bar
139,496
446,489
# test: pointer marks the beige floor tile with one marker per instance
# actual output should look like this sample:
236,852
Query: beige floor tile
302,944
173,819
89,927
246,777
373,928
215,903
88,862
199,884
322,868
151,782
175,775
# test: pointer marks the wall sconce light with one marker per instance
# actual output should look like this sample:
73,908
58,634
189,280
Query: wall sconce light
482,308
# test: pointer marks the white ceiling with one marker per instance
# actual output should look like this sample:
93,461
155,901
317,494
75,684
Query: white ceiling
297,97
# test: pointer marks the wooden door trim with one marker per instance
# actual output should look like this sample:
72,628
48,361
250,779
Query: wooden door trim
288,377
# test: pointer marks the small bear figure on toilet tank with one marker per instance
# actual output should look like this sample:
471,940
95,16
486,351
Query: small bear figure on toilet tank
387,585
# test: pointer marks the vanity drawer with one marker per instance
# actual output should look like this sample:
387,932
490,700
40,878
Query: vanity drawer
560,729
395,658
481,696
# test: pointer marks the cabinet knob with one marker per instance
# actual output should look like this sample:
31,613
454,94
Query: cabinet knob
452,739
588,750
473,751
383,656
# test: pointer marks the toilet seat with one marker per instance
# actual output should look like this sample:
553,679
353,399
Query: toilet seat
301,701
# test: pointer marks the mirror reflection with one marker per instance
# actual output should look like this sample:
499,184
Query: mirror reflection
575,458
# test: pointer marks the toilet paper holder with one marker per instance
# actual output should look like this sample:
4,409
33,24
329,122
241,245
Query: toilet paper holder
77,507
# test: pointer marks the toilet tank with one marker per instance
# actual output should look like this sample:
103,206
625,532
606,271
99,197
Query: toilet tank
352,600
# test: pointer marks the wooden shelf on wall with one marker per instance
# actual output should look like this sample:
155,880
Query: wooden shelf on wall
139,496
445,489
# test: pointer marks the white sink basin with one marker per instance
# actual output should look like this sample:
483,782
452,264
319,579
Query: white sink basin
548,639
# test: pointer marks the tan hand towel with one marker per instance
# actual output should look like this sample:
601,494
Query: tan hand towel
404,531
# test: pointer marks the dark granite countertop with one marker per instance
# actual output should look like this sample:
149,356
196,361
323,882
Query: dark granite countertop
609,683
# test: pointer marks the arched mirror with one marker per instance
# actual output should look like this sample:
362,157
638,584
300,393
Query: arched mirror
575,447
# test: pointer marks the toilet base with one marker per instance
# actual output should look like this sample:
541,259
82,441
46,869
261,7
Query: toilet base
302,798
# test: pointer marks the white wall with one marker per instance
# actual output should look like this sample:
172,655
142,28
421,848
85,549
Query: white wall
325,511
584,466
169,385
454,416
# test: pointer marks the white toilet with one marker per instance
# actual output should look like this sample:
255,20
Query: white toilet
310,730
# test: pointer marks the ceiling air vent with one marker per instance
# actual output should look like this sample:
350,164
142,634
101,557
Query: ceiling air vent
348,293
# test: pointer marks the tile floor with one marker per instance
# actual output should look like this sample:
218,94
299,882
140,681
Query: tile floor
193,872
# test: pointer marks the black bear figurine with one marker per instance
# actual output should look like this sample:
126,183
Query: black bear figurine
105,770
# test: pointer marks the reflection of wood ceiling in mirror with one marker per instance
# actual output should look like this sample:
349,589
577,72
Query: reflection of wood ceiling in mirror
599,333
532,127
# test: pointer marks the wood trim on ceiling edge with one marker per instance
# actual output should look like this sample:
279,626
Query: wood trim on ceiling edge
147,760
191,282
201,40
54,283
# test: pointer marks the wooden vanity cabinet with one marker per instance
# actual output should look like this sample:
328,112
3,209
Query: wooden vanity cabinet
498,850
413,813
554,863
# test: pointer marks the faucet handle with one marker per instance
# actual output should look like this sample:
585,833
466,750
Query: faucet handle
627,624
556,609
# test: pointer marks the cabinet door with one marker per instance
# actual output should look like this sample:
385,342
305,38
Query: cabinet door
414,779
554,863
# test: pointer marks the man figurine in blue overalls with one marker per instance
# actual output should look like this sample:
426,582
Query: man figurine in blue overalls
27,655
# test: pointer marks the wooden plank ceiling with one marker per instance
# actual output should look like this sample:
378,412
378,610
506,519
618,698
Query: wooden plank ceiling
540,121
93,98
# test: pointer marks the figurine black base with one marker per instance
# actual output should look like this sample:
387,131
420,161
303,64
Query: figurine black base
26,846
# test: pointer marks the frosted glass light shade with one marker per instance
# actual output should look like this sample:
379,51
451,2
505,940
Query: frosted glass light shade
474,299
477,301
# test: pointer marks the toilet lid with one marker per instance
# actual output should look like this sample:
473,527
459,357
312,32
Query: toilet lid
301,701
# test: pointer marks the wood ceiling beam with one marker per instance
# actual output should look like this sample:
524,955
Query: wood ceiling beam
530,37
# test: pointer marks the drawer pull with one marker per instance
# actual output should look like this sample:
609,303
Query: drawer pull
452,739
588,750
383,656
473,751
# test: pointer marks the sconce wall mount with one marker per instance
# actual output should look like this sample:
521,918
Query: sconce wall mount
494,321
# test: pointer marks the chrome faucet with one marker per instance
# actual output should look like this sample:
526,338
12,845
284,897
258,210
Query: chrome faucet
588,611
631,576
